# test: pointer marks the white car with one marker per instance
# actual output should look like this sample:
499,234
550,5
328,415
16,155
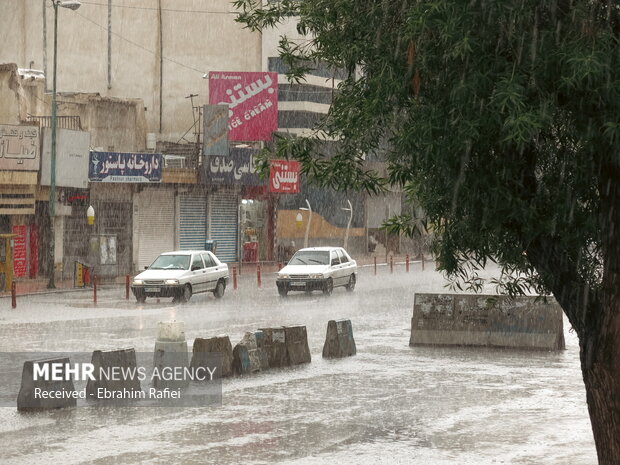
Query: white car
318,268
181,274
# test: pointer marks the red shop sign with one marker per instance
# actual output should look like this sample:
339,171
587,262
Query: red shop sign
284,176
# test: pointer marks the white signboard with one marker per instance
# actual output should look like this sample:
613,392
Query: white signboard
72,149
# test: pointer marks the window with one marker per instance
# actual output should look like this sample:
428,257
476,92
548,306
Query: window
343,256
197,262
170,262
208,260
335,259
310,257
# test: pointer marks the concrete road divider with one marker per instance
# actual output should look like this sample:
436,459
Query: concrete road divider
487,320
171,331
297,345
274,342
204,349
339,340
286,346
247,356
262,353
116,375
170,353
39,391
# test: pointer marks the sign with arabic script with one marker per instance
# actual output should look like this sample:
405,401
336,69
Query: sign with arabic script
284,176
236,168
252,100
124,167
19,148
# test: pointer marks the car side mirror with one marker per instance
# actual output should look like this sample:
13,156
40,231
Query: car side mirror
146,267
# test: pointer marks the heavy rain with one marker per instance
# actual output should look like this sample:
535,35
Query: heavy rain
388,227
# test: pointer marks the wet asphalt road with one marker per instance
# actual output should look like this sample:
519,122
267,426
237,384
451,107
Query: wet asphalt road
388,404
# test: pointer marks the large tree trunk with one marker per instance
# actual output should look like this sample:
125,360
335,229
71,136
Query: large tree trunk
600,364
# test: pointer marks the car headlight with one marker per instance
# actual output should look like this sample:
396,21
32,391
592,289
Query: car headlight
316,276
138,282
172,281
283,276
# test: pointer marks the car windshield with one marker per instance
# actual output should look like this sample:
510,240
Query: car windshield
171,262
310,257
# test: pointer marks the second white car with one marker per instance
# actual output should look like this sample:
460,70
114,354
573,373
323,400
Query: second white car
318,268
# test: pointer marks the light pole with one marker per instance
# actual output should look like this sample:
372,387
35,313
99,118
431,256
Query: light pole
72,5
346,234
309,210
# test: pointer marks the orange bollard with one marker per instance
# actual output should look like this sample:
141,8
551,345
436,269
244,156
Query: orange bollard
13,294
391,264
234,277
126,287
258,276
95,289
375,266
407,263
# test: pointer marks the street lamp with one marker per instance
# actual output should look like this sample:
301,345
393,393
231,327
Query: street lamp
72,5
346,234
309,210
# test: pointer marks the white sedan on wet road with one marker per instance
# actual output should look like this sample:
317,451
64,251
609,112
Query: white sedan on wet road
181,274
318,268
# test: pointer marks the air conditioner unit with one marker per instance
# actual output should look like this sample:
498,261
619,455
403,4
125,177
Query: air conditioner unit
174,161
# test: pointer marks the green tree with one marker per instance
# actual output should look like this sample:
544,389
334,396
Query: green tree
502,120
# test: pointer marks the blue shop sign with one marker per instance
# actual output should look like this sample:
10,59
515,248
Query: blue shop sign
124,167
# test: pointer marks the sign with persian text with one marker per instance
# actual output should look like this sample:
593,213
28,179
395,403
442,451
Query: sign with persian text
252,100
236,168
20,251
284,176
19,148
124,167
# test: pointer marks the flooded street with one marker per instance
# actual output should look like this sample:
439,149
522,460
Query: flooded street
388,404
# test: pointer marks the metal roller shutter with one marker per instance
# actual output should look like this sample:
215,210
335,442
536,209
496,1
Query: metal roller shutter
193,225
153,224
223,224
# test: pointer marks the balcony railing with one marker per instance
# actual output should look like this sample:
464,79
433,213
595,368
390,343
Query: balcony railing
62,122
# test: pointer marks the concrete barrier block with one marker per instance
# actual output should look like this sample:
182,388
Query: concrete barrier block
339,341
296,339
221,345
262,353
60,394
170,355
171,331
524,322
245,358
274,343
248,357
116,375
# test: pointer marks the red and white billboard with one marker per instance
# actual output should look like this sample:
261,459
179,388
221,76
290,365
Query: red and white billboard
252,100
284,176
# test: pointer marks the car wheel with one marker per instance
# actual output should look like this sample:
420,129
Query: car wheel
329,286
282,291
140,297
349,287
187,293
219,290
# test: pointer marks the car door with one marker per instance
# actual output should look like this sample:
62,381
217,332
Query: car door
198,274
345,266
334,261
212,273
